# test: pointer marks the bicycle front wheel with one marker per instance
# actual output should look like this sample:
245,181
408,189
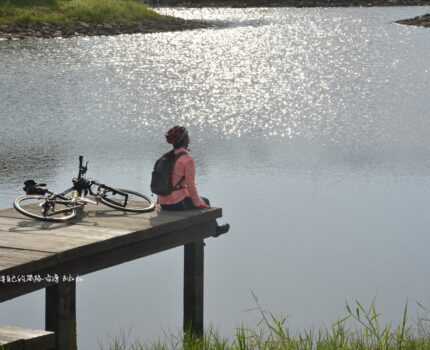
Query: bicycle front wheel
41,208
127,200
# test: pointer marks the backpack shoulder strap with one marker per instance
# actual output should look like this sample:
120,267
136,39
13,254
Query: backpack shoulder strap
179,155
178,184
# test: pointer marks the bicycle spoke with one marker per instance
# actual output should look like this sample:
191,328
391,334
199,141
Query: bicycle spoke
39,207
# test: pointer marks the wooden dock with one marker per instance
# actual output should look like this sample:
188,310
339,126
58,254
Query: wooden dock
36,255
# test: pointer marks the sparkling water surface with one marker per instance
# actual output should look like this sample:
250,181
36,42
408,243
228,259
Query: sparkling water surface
310,127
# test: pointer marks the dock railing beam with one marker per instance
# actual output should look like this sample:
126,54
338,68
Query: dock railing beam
193,287
60,314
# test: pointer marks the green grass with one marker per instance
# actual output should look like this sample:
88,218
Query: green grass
72,11
360,329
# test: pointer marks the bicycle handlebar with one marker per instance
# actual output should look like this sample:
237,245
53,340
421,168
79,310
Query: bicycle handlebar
82,169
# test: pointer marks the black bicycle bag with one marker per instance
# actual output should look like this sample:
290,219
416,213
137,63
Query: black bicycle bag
31,187
161,180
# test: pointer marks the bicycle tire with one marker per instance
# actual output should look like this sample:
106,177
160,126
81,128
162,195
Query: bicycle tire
145,203
33,210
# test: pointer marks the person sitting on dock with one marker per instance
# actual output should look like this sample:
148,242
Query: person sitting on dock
183,194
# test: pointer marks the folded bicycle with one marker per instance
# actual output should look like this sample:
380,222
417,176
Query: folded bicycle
41,204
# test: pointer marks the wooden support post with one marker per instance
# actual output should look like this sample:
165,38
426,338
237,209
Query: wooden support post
60,314
193,287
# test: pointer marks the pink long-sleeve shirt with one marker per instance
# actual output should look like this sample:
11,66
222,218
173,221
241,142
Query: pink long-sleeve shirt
184,167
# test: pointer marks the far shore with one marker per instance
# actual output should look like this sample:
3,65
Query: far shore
153,22
288,3
53,30
422,21
66,18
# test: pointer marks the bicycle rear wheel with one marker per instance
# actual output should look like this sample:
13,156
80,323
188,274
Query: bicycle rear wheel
40,208
135,202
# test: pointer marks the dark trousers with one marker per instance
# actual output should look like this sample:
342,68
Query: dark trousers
185,204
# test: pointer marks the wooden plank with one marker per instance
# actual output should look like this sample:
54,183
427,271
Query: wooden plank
45,241
112,257
70,242
92,210
10,257
159,221
26,339
73,232
162,224
16,333
52,240
155,223
18,225
96,215
102,216
59,245
193,288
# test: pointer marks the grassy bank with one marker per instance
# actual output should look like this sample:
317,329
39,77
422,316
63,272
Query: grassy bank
71,11
48,18
360,329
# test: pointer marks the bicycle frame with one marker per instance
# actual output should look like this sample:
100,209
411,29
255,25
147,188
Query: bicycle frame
85,186
80,200
107,188
52,199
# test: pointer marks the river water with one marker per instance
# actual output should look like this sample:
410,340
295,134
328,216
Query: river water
310,127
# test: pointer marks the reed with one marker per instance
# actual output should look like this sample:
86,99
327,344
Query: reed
360,329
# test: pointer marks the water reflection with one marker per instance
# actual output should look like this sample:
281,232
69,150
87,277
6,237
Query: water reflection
18,163
309,127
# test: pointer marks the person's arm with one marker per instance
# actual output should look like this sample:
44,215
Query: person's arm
190,175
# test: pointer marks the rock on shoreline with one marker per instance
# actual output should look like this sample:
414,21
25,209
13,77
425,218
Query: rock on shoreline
422,21
49,30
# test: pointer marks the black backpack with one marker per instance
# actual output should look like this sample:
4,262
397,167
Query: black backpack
161,180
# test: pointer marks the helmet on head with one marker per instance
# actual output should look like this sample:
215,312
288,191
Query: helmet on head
176,134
